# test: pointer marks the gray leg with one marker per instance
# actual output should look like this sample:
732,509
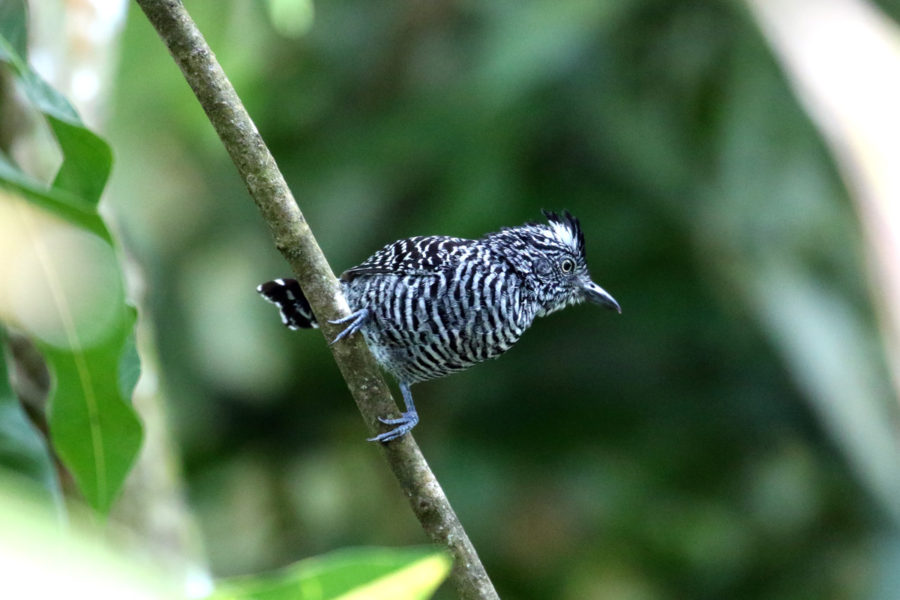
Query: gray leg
404,424
356,320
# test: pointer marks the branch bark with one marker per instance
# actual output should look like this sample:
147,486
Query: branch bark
296,242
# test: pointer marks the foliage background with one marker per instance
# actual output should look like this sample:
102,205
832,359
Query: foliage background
674,451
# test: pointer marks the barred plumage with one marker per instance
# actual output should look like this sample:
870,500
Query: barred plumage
429,306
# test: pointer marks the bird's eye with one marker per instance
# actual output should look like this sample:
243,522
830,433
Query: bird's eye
567,265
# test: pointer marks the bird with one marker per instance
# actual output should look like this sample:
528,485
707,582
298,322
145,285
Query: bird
429,306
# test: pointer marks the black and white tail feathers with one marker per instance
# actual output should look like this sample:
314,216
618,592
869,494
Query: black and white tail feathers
288,297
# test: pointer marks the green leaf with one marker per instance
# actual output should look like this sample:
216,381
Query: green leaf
22,449
44,98
129,367
355,574
54,200
13,15
87,162
87,158
93,428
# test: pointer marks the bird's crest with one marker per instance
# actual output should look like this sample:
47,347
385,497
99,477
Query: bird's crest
567,230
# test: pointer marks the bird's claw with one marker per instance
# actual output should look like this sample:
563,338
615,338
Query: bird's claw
356,320
404,424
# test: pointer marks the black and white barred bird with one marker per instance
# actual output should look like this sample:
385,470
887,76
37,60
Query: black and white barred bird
429,306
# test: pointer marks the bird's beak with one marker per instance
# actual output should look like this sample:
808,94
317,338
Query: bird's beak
596,294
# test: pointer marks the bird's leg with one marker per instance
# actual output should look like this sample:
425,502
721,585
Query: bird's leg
356,320
404,424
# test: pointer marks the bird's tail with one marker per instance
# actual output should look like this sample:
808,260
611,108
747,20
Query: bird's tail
288,297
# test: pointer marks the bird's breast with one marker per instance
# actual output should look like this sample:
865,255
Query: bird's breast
425,326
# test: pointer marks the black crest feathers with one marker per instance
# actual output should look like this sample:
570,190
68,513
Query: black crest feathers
567,227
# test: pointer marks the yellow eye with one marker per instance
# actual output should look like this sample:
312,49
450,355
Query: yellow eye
567,265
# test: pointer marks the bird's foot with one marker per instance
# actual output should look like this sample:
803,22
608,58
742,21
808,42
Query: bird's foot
403,424
355,320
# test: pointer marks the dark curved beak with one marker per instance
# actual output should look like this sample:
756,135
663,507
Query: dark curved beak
596,294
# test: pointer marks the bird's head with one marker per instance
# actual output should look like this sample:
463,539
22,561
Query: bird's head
552,261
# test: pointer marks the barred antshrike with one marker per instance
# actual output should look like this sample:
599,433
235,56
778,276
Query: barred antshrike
431,306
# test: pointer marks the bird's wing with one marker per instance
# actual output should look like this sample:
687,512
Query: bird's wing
413,256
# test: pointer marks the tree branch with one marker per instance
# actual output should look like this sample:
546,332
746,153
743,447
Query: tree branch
296,242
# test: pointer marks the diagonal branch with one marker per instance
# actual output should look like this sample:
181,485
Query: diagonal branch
295,241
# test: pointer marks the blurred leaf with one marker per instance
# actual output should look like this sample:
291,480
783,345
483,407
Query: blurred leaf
22,448
129,367
365,573
47,100
87,159
94,430
832,364
50,561
13,16
57,201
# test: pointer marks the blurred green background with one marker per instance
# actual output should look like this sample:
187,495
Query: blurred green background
685,449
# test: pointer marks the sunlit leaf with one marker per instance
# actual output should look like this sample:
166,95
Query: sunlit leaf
357,574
